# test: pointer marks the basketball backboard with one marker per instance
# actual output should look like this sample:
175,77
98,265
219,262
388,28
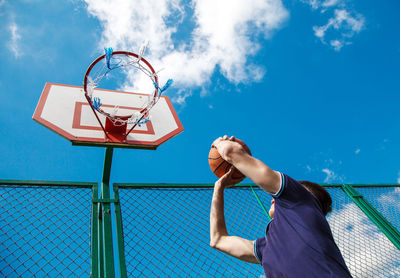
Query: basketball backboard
65,110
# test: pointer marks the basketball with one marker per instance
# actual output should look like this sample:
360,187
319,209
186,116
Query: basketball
219,166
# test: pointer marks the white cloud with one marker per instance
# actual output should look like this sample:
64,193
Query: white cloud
357,151
384,144
398,178
223,36
366,250
317,4
391,199
342,26
14,43
330,3
181,96
336,44
330,175
327,169
204,92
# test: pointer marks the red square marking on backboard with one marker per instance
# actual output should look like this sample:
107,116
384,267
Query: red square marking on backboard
78,116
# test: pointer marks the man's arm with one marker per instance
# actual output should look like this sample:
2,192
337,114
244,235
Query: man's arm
268,179
219,239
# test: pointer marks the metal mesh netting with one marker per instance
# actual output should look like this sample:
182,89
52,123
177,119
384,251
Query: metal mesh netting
386,200
44,231
366,250
166,233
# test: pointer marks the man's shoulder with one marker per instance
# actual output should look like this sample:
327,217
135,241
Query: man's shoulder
292,192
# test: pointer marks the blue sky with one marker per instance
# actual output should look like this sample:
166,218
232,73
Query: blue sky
311,86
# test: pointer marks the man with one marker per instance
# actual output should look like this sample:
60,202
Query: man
298,241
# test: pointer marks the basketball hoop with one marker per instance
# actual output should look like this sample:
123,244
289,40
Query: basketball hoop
129,63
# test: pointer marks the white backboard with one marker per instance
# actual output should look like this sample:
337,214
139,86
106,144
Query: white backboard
65,110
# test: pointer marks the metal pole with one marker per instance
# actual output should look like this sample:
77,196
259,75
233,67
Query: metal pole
120,234
384,225
260,203
108,251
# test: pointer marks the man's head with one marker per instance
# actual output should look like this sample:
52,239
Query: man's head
321,194
318,191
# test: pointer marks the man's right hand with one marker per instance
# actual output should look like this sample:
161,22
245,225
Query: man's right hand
220,139
226,180
251,167
226,146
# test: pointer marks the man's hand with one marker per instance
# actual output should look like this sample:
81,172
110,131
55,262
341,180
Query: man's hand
251,167
225,145
226,180
220,139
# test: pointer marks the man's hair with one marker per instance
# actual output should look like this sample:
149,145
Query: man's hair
321,194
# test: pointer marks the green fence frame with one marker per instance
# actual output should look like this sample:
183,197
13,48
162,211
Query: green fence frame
377,218
95,243
383,224
102,247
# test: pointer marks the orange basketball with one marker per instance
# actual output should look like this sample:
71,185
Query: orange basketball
219,166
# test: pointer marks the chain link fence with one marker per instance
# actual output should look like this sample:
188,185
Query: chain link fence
365,248
166,231
385,199
162,230
45,230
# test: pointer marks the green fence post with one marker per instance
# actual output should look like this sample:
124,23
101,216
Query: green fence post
95,237
384,225
100,242
108,251
120,233
260,203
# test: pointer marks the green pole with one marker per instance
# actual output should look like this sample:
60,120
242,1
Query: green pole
384,225
260,203
100,258
120,233
108,251
95,244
